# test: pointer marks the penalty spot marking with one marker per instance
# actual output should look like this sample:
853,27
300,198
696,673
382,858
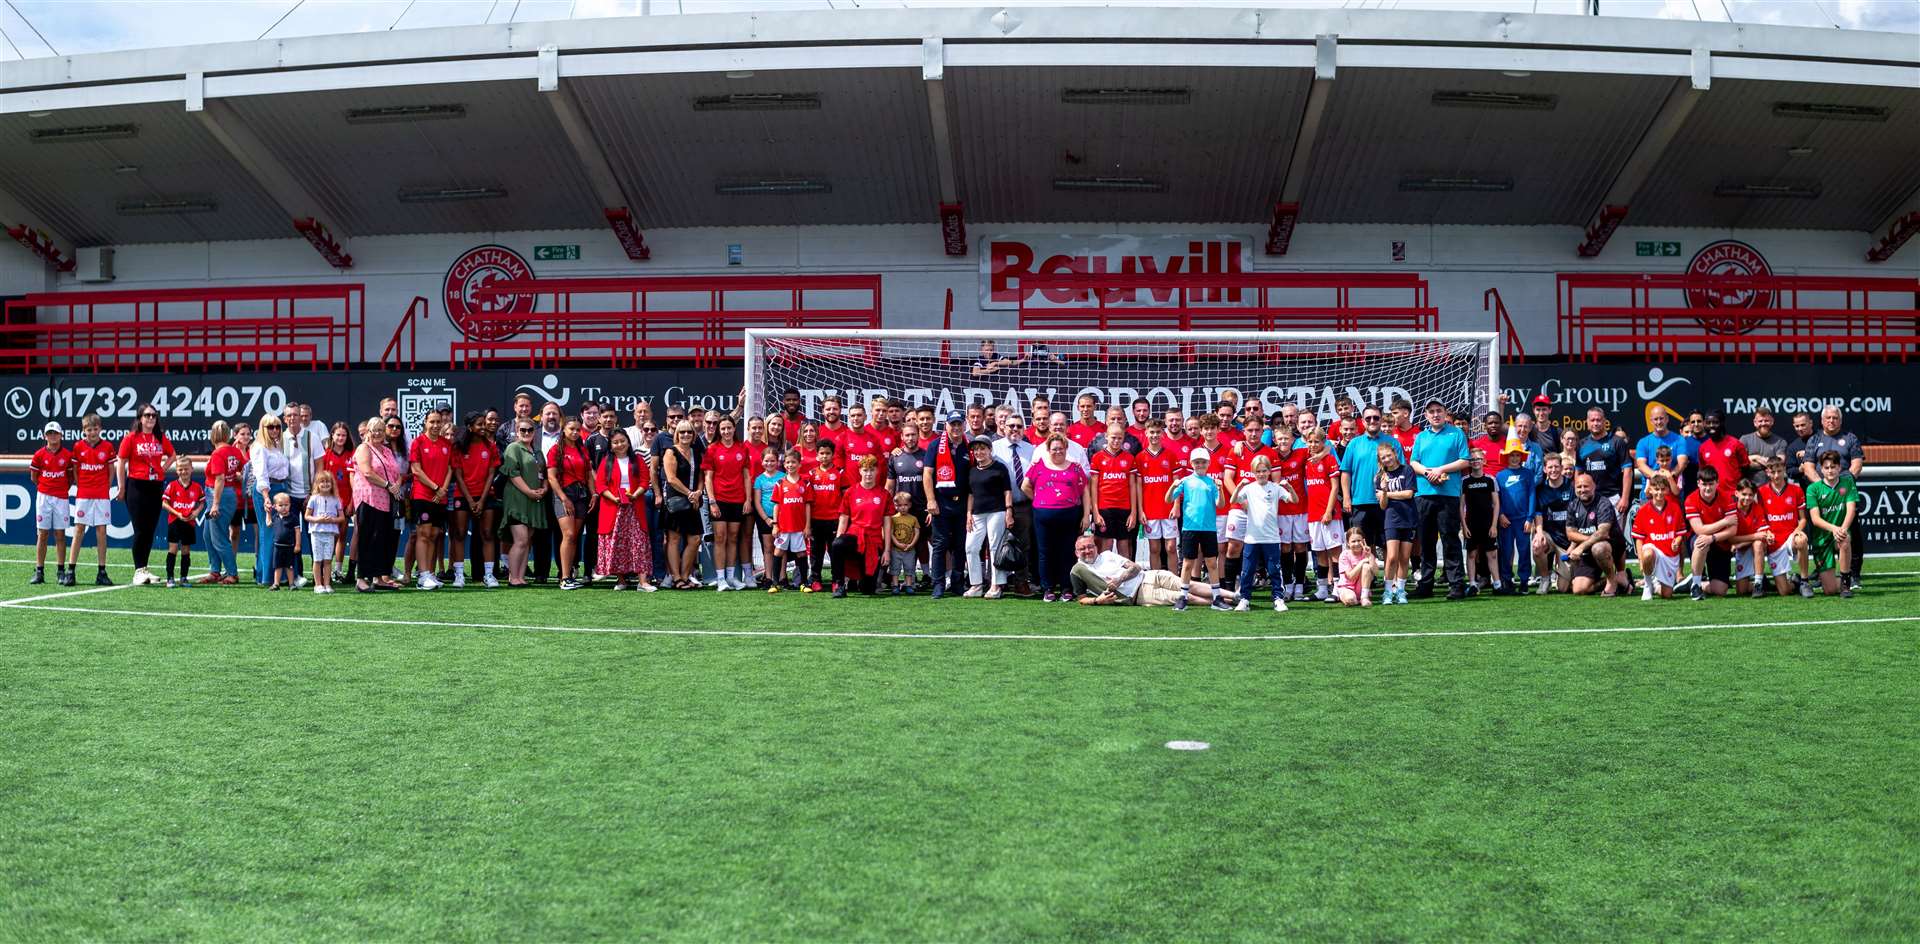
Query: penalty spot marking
1188,745
34,603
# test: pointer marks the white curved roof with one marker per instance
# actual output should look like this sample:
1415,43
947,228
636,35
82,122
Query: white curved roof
919,105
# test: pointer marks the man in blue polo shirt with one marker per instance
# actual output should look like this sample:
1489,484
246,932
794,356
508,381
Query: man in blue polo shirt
1439,458
1359,466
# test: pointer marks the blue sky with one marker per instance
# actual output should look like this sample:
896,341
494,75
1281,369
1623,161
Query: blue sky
80,26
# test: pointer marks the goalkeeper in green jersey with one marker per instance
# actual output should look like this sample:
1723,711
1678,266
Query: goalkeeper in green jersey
1832,503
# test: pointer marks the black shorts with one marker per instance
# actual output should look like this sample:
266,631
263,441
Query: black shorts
1111,524
181,532
1196,544
1478,534
1581,566
731,512
1408,535
456,503
426,511
1719,564
286,556
760,525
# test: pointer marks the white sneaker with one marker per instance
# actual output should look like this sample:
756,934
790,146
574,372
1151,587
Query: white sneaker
490,582
721,585
429,581
1321,595
319,589
976,591
459,579
299,583
1646,592
1243,606
143,576
1279,606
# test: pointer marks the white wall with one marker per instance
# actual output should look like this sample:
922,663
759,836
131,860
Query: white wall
1460,262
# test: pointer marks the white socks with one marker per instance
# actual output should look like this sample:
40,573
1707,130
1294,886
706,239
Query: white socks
489,567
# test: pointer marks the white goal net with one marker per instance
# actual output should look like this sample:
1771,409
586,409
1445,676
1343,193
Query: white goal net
1171,369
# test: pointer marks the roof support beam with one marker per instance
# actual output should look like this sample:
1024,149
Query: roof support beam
593,158
1286,212
953,214
1639,165
309,218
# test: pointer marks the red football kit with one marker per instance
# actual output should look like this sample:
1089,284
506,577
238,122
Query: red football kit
95,465
1660,526
430,458
1157,471
183,499
1783,510
728,465
866,512
824,483
476,467
51,467
1113,475
790,500
1085,433
1320,475
1707,513
1293,471
571,462
1240,460
1727,457
855,443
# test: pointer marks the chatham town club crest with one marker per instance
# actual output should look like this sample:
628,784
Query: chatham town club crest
1729,257
482,315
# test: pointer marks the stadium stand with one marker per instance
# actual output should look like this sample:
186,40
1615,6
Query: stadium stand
251,327
1666,316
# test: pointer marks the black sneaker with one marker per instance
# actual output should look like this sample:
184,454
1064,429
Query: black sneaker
1473,589
1424,593
839,590
101,579
39,575
1455,593
66,578
1697,593
1180,605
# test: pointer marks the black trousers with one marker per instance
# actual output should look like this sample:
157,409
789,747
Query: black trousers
820,539
949,548
1440,527
847,559
375,528
1372,522
1857,545
143,506
1020,532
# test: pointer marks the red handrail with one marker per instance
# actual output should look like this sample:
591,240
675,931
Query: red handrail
1502,323
415,308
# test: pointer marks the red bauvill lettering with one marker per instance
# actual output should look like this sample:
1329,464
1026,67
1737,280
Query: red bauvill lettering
1011,262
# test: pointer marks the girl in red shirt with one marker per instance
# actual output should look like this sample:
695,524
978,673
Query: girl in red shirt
570,474
726,486
860,543
475,456
626,550
146,455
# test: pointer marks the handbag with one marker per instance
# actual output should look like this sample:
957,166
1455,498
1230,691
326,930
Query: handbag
1010,557
678,504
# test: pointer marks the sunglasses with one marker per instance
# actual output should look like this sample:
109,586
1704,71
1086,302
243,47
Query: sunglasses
267,426
149,416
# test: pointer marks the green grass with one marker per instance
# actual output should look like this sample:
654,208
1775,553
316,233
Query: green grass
217,776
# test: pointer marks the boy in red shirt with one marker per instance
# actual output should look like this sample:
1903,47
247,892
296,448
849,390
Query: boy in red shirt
1237,471
183,500
791,499
1116,493
1786,508
1712,519
823,489
94,465
1324,527
1657,535
1156,469
52,477
1750,539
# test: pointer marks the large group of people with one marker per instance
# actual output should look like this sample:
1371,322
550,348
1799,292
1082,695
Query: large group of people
1096,503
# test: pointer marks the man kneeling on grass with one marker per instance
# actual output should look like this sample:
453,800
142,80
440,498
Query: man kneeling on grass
1101,578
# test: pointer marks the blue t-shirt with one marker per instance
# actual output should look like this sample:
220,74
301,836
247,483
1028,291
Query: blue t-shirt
1435,449
1516,493
1361,462
1199,503
1650,443
1603,458
763,486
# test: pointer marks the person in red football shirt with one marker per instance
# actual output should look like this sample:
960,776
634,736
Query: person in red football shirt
1156,469
830,425
1296,535
1723,453
1658,534
1710,516
1142,411
1749,540
824,487
1492,441
859,543
476,455
570,479
52,467
1786,508
146,455
1325,529
224,499
1116,493
791,500
857,441
1404,430
809,446
1086,427
94,468
727,475
430,458
1174,438
1237,472
183,500
336,463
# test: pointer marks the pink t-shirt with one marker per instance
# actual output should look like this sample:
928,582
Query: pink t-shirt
1350,567
1057,488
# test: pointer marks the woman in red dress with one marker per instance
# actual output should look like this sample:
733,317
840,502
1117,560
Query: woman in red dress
626,549
860,546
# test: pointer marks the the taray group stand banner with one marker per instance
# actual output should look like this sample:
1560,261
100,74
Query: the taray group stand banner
1878,400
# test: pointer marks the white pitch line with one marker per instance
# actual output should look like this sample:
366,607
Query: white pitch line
821,634
64,594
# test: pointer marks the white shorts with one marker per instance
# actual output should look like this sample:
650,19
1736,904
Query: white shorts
1220,527
1781,560
1236,529
1327,536
1743,564
1293,529
1165,529
50,512
323,545
1666,569
792,542
91,512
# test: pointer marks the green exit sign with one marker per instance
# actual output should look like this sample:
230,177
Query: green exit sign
1656,248
562,253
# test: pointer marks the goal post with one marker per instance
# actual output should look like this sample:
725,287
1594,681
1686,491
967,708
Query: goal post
1187,370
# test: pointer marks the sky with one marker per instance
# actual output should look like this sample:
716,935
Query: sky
81,26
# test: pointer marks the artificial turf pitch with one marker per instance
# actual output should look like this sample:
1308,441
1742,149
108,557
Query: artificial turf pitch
216,775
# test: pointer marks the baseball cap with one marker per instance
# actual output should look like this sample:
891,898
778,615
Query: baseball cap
51,427
1199,454
1541,399
986,441
956,417
1436,401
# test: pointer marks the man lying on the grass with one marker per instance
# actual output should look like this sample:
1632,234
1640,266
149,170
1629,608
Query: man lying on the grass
1102,578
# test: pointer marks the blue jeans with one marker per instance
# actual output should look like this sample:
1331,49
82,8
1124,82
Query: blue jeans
1516,551
1254,557
263,534
219,542
656,536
